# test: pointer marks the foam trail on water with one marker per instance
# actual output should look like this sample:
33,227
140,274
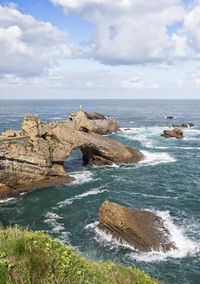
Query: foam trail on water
7,200
156,158
79,196
184,244
82,177
51,219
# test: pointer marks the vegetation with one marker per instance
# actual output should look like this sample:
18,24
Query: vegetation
33,257
54,137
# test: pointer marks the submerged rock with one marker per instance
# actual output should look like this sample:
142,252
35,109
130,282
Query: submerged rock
170,117
143,230
176,132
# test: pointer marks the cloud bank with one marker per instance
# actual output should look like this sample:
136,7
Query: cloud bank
27,46
132,32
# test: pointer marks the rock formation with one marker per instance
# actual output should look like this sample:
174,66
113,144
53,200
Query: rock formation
93,122
176,133
184,125
143,230
35,158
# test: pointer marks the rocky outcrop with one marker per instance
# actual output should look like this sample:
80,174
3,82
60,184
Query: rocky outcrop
36,158
176,133
94,116
184,125
143,230
92,122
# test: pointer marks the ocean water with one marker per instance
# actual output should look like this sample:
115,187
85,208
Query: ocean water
167,182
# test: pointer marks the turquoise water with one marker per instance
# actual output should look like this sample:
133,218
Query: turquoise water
167,182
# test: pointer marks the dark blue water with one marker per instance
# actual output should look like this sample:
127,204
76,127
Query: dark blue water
167,182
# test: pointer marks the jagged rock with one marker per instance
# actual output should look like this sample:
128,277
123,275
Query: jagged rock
191,124
12,133
96,123
94,115
176,132
31,126
143,230
36,159
184,125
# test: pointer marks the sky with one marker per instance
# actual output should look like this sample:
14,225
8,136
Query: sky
100,49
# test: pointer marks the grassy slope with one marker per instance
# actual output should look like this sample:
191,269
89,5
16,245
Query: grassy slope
33,257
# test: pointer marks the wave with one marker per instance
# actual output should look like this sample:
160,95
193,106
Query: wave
156,158
82,177
7,200
184,245
149,136
79,196
51,219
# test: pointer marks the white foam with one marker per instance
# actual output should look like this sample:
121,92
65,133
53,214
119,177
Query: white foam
145,135
7,200
51,219
108,240
91,225
149,136
184,244
80,196
154,158
82,177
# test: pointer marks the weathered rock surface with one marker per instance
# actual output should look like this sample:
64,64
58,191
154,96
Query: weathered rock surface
184,125
176,133
93,122
143,230
37,157
94,116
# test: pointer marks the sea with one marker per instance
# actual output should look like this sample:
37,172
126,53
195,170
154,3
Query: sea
166,182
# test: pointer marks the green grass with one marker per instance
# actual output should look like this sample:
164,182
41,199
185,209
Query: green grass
33,257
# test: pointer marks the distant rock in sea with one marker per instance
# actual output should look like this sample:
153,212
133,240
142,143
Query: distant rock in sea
176,133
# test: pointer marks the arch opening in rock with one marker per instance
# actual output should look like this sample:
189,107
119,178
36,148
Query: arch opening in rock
74,162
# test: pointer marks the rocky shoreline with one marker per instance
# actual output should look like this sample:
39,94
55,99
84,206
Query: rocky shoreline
34,157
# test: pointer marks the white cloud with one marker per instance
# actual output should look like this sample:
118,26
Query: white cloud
131,32
180,45
27,46
82,79
191,27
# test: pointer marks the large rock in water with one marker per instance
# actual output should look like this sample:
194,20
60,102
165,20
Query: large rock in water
176,133
143,230
35,158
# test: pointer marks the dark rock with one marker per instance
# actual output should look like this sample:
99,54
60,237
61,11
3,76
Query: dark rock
184,125
170,117
94,115
176,132
143,230
190,124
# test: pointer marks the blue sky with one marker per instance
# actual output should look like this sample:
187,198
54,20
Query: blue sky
62,49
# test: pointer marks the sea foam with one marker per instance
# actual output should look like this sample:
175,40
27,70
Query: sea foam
69,201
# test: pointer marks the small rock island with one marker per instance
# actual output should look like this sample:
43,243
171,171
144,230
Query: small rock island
143,230
34,157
